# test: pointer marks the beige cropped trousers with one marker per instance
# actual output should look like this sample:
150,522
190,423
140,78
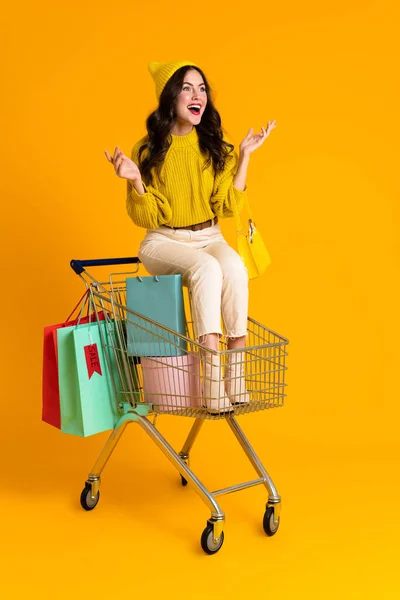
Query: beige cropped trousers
212,270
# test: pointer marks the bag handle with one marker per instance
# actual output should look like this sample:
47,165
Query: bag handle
238,221
83,306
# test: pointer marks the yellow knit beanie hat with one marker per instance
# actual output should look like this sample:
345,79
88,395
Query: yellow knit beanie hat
162,72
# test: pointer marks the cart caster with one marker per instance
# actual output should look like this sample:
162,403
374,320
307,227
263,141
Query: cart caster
207,540
183,481
87,502
270,527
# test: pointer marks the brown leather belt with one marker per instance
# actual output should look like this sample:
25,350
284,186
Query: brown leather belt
198,226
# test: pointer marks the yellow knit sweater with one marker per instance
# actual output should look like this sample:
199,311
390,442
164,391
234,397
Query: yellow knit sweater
190,195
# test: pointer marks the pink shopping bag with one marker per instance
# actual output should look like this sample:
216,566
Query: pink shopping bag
172,383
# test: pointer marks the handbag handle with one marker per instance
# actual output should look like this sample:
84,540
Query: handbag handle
238,221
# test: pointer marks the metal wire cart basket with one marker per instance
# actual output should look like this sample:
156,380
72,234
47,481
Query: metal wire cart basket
177,385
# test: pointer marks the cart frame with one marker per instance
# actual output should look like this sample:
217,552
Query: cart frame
134,411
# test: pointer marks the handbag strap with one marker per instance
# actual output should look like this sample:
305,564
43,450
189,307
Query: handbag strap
238,221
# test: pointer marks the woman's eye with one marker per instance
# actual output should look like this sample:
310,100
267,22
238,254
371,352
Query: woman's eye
188,88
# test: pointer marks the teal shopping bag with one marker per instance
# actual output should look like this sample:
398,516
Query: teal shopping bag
88,403
161,300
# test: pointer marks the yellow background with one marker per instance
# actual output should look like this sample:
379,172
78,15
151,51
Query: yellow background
324,190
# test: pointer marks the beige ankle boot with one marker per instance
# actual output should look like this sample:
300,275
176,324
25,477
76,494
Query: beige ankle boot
235,383
214,394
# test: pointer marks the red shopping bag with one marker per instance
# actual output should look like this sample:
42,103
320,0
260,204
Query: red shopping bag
50,388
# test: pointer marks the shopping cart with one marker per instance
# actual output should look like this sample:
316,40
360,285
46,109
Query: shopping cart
157,385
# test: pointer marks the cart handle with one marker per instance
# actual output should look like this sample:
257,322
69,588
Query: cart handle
77,265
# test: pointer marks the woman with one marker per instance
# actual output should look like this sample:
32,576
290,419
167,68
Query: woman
183,176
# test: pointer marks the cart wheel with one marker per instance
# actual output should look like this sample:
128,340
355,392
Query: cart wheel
87,502
207,542
270,527
183,480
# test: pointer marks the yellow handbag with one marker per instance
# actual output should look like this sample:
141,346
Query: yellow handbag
251,247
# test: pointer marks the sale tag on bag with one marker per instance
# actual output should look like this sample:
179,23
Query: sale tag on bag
92,360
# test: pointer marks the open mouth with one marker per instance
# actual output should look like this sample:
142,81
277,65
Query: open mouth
194,109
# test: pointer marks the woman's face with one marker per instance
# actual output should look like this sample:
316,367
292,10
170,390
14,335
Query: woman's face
194,95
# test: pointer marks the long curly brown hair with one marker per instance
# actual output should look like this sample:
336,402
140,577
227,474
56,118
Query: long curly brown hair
161,121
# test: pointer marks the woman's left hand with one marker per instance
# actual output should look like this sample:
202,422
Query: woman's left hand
251,142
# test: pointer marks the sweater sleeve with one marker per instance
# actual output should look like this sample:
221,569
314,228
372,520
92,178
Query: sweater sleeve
151,209
224,192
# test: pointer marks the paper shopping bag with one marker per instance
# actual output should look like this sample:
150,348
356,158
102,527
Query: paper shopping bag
87,374
50,387
161,300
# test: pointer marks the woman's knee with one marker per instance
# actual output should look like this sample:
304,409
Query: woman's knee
208,270
235,270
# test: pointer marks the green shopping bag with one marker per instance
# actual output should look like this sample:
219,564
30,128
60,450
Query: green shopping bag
88,403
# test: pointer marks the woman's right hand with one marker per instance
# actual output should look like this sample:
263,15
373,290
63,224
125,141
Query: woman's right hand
123,166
